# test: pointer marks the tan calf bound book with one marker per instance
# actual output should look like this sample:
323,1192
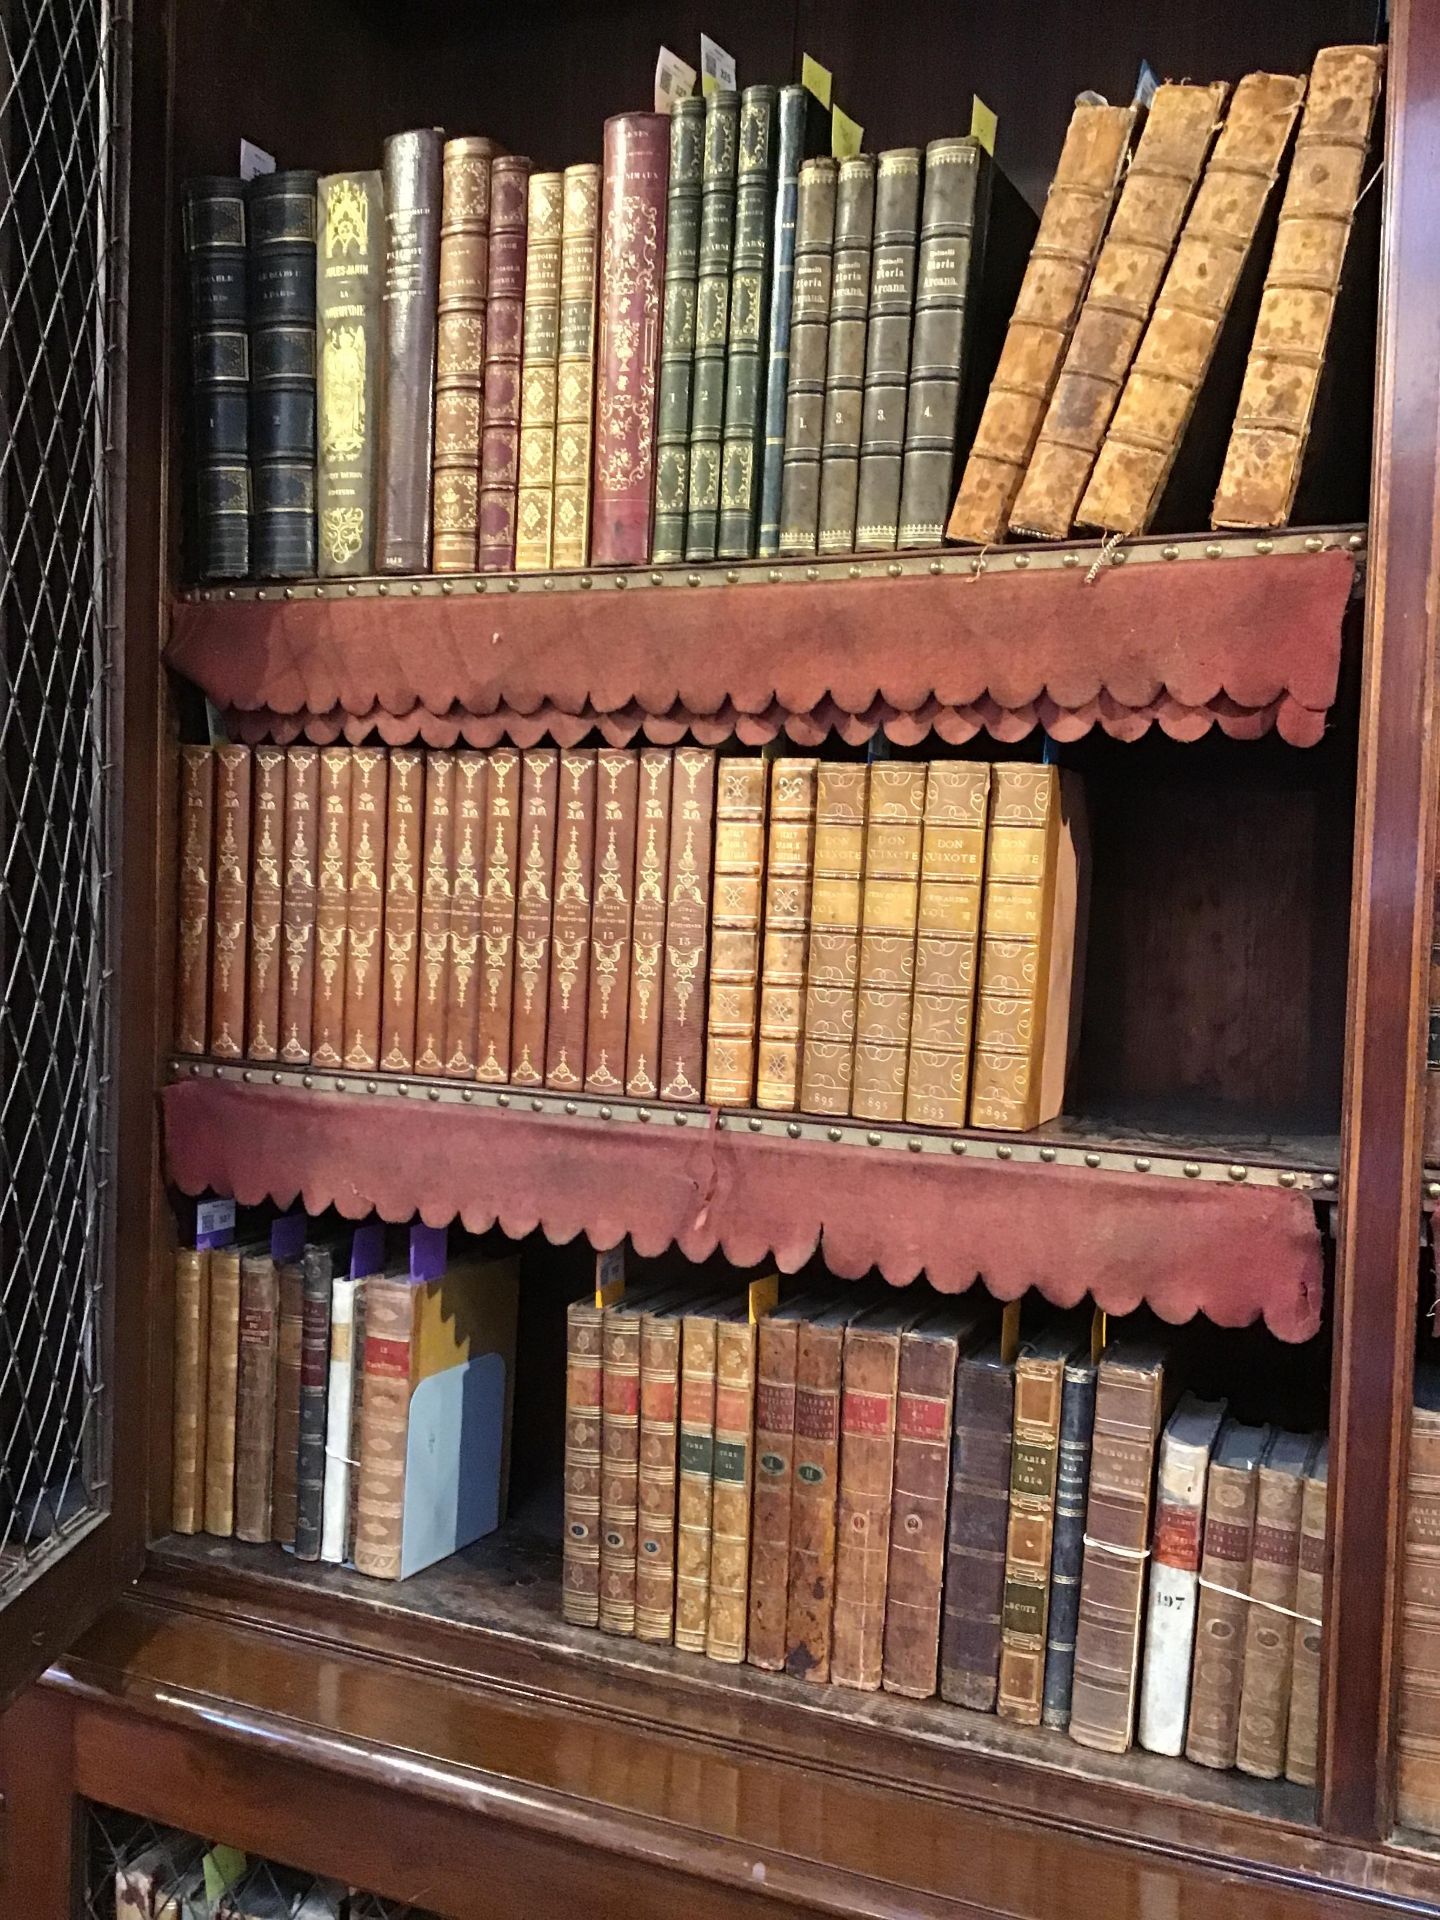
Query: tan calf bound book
1179,344
660,1330
584,1414
575,366
790,857
732,1474
1213,1725
833,962
1417,1782
1277,400
1302,1738
735,932
1158,188
1270,1624
1072,227
221,1386
619,1463
776,1346
887,938
539,375
192,1354
695,1483
947,941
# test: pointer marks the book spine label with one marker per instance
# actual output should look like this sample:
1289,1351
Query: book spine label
539,788
790,864
795,117
570,922
1072,1484
412,168
267,853
460,351
467,889
327,1033
887,349
632,272
314,1388
339,1403
1302,1739
687,925
924,1409
867,1480
1270,1632
432,999
194,889
647,950
404,847
282,208
350,279
733,1468
887,938
619,1468
580,1602
192,1349
659,1434
302,848
809,343
504,338
975,1540
617,792
677,337
357,1410
535,498
947,940
384,1427
233,775
1170,1604
845,354
221,1392
213,214
255,1397
712,321
497,914
289,1337
1024,1615
695,1483
775,1354
575,366
833,962
365,908
813,1491
735,932
1214,1721
747,343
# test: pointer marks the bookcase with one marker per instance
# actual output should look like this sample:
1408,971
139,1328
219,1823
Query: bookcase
1254,717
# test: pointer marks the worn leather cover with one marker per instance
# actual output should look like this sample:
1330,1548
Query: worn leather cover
390,1305
267,831
947,940
891,894
975,1538
677,334
659,1440
432,999
712,321
539,375
302,852
617,775
750,266
349,279
404,852
845,353
503,801
255,1397
192,1353
809,347
281,218
289,1334
1302,1738
193,890
776,1347
833,961
365,908
467,888
575,365
332,917
233,774
1072,1486
687,925
887,348
504,337
412,172
1269,1632
819,1367
539,793
732,1476
619,1465
1214,1721
789,869
802,129
460,350
1417,1784
584,1412
694,1489
570,923
317,1271
1173,1585
647,951
732,1008
221,1363
214,225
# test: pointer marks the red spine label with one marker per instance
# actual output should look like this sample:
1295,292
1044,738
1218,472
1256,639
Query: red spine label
622,1392
920,1418
774,1407
387,1359
816,1413
1177,1536
658,1400
867,1413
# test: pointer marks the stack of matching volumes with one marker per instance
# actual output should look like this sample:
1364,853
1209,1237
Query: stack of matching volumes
348,1408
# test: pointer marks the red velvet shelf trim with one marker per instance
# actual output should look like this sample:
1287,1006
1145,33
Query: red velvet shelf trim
1236,1254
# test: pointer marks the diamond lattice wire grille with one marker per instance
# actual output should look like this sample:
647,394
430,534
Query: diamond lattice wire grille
62,76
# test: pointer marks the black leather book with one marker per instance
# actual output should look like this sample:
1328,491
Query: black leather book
677,338
1077,1419
749,316
213,211
282,373
845,356
412,174
809,341
351,249
887,348
712,322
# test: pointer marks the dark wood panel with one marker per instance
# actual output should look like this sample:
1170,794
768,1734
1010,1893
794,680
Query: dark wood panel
40,1853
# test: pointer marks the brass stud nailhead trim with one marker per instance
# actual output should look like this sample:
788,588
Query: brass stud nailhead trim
1191,1171
1047,1154
1004,1153
1092,1159
872,1139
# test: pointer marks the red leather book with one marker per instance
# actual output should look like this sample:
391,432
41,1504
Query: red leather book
232,892
365,909
617,776
504,330
497,914
327,1037
539,790
467,887
262,1024
647,923
197,854
687,925
570,922
433,988
302,842
404,834
632,268
289,1343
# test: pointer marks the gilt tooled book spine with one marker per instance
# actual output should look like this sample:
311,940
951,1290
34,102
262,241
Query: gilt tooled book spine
1302,1739
694,1486
464,278
575,366
809,345
655,1499
384,1425
349,282
619,1466
789,872
302,848
896,809
887,348
1158,188
1417,1789
404,846
801,130
282,373
1029,1537
213,216
734,996
810,1608
731,1477
327,1033
1072,227
687,925
535,496
1214,1719
677,334
539,793
712,322
975,1536
1173,1586
866,1489
194,888
742,439
845,354
776,1348
1282,376
497,914
192,1352
647,927
317,1268
504,339
467,889
1179,342
947,941
267,857
1270,1623
233,774
432,996
289,1338
365,908
570,922
833,961
617,776
413,172
632,273
924,1415
1072,1485
580,1593
222,1366
255,1397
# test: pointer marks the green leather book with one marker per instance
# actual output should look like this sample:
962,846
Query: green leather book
750,264
677,337
809,338
887,348
845,358
712,322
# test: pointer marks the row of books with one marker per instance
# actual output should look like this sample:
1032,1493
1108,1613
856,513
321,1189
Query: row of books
871,930
177,1876
884,1491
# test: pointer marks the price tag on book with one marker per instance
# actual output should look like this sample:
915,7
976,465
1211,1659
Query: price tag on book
846,135
717,68
254,160
214,1223
816,79
983,123
764,1296
610,1276
674,80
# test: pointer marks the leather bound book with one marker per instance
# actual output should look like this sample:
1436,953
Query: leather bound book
432,995
539,796
233,773
887,938
302,851
712,321
833,962
632,270
213,217
575,366
887,348
809,346
584,1404
619,1464
317,1267
1030,1532
1417,1786
384,1421
677,333
776,1346
460,351
617,775
1431,1136
1072,226
789,869
467,888
1179,343
267,856
947,941
1214,1721
504,338
222,1367
660,1329
404,848
733,1005
365,908
1129,1409
746,358
539,376
194,889
845,354
570,922
1302,1738
647,936
1072,1486
192,1354
412,169
1031,947
497,914
282,215
350,277
695,1482
1270,1624
802,129
1158,187
948,271
289,1337
255,1395
1282,377
1185,1450
687,925
731,1477
346,1317
327,1033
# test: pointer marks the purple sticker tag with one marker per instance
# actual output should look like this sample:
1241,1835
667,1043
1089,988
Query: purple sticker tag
214,1223
287,1236
428,1252
367,1250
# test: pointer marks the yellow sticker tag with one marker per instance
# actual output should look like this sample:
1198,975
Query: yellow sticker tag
1099,1330
983,122
610,1276
817,79
223,1867
1010,1332
764,1296
845,135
